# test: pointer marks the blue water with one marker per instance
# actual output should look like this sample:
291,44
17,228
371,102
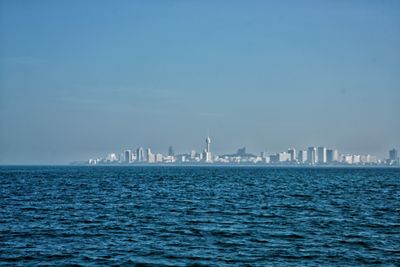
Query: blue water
183,216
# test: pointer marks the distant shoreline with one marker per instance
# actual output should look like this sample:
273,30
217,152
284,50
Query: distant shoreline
211,166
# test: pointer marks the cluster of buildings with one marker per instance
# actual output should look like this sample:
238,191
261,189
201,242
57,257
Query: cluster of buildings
310,156
144,156
321,155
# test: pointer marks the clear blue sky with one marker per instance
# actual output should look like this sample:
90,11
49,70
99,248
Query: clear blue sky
79,79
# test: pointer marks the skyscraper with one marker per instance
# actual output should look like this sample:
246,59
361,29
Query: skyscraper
128,156
393,156
140,154
332,155
150,158
171,151
292,153
303,156
321,155
312,155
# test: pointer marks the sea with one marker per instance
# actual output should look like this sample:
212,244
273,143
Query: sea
199,216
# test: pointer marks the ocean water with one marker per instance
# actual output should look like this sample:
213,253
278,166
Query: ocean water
218,216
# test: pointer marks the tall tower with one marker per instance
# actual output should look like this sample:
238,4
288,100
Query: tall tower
208,143
207,152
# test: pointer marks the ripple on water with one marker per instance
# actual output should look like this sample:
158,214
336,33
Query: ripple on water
184,216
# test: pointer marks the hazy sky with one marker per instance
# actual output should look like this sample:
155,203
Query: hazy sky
79,79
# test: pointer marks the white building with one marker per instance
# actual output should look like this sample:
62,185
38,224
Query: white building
207,152
150,157
92,161
302,156
283,157
169,159
280,157
312,155
356,159
368,159
159,157
140,154
293,155
111,157
321,155
347,159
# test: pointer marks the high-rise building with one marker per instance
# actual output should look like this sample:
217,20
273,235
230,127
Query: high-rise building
292,153
368,159
150,158
348,159
321,155
140,154
280,157
393,156
283,156
312,155
332,155
128,156
208,143
158,157
171,151
133,155
356,159
241,152
207,152
302,156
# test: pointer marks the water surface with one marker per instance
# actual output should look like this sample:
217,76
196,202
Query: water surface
183,216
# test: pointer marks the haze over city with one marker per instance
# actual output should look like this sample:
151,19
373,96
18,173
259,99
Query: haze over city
80,79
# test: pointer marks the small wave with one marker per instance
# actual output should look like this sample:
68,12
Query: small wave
228,244
287,236
258,240
219,233
358,243
301,196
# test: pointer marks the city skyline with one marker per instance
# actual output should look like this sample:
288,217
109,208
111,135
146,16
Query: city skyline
311,156
264,75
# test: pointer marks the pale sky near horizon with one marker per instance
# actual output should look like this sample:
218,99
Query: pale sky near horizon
79,79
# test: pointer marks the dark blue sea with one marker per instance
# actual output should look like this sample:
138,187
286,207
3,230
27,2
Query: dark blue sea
218,216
